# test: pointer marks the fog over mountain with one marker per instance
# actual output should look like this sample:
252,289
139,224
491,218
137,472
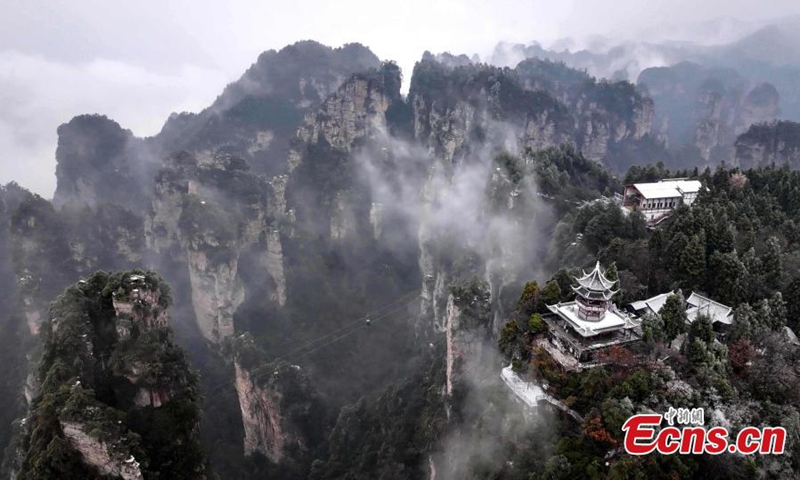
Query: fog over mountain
137,63
341,240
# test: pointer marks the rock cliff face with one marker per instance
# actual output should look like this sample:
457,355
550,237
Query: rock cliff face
254,118
706,108
604,114
76,240
37,240
769,143
761,105
279,408
207,211
467,327
216,291
95,453
140,309
355,112
457,108
475,204
319,190
264,429
14,346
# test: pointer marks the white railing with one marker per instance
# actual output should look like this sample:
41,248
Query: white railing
531,394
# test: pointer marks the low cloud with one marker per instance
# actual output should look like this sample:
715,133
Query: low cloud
37,95
138,62
494,420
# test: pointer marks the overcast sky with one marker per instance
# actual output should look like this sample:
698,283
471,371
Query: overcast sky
139,61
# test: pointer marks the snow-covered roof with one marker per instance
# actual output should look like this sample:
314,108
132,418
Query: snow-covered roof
612,320
669,188
699,304
595,280
603,295
791,337
654,304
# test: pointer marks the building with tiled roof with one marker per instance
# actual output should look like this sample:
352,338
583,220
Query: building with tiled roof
696,305
656,200
591,322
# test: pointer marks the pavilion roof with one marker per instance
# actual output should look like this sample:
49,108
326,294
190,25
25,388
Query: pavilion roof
595,280
594,294
612,320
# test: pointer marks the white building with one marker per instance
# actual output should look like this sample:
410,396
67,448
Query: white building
657,200
717,312
695,305
590,324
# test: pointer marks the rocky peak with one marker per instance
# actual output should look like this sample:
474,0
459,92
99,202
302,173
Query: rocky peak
276,400
760,105
320,184
355,112
208,209
768,143
455,107
109,363
604,113
449,59
138,304
467,326
100,455
99,161
707,107
256,117
305,72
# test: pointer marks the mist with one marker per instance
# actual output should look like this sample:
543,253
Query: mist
471,204
37,95
494,425
138,63
494,230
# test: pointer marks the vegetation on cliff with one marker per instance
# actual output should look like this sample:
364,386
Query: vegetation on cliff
92,375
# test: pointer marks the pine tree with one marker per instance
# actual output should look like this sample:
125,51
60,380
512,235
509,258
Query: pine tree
744,323
551,293
529,299
721,180
673,313
652,328
756,288
778,311
727,282
701,328
772,264
612,273
697,354
722,238
793,304
692,262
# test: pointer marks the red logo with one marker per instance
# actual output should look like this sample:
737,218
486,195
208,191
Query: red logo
643,436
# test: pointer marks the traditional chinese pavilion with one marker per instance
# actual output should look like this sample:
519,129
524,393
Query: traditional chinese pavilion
590,323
